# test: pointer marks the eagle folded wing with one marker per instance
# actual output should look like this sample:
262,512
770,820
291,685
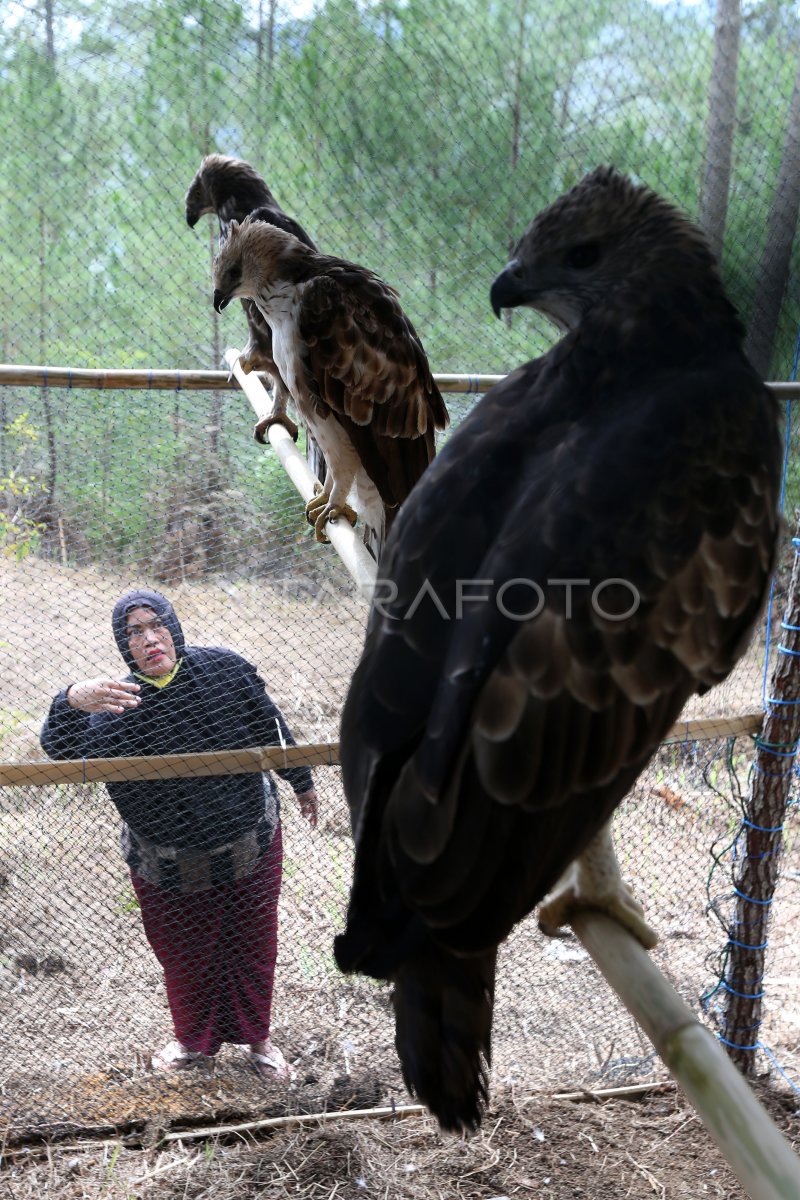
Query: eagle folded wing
591,547
483,753
366,356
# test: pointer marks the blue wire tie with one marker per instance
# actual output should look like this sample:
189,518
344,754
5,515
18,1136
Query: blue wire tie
742,995
751,899
772,774
736,1045
745,946
787,651
178,385
150,380
762,828
770,748
759,741
791,628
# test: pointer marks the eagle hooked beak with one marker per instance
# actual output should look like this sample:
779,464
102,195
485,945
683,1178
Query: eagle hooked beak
220,300
508,289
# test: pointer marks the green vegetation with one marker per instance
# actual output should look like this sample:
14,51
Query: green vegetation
421,147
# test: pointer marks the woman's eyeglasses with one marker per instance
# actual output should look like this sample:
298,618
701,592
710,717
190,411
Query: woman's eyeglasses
136,633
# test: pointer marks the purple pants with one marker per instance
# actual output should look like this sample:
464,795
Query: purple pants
218,951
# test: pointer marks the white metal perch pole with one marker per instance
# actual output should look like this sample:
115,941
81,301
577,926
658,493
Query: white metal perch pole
343,537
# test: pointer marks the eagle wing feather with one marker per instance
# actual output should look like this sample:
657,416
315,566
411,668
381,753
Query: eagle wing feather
366,355
536,729
368,366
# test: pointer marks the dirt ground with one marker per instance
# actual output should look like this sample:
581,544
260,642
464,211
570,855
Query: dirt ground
531,1145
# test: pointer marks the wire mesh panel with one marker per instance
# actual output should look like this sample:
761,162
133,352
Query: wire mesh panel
84,1004
421,149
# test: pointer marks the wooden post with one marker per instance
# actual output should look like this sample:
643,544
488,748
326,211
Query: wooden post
761,840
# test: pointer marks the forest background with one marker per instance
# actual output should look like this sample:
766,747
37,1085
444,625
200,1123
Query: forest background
418,140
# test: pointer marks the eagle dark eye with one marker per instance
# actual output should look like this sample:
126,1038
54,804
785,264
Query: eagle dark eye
582,256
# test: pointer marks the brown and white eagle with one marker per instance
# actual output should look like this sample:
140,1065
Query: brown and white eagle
233,190
352,361
590,548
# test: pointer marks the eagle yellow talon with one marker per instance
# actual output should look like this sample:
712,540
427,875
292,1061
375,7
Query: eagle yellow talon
332,514
318,501
340,510
260,431
319,511
593,881
254,360
557,910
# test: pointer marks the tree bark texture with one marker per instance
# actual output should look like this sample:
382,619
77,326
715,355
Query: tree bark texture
773,273
761,842
721,123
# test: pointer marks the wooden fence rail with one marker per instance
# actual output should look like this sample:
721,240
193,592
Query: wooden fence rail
158,379
268,758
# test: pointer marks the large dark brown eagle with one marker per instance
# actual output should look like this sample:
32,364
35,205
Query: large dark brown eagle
352,361
233,190
591,547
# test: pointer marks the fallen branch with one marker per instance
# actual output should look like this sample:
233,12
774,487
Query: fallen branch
347,1114
633,1089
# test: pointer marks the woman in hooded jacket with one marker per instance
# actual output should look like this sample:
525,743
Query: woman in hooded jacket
205,855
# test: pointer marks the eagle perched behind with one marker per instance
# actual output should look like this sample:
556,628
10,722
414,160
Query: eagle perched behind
352,361
233,190
591,547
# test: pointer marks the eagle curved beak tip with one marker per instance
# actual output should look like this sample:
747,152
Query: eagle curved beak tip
505,291
220,300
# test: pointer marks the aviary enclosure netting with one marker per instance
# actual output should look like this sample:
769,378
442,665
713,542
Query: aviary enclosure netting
421,148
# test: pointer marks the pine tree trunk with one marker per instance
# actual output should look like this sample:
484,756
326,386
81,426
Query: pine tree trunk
46,507
50,40
773,274
761,843
721,123
516,128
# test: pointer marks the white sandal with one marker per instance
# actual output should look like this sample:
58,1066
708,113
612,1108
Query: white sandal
271,1065
174,1057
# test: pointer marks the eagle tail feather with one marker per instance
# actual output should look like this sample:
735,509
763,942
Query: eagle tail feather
443,1014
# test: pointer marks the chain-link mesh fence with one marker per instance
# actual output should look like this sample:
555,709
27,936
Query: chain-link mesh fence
420,148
